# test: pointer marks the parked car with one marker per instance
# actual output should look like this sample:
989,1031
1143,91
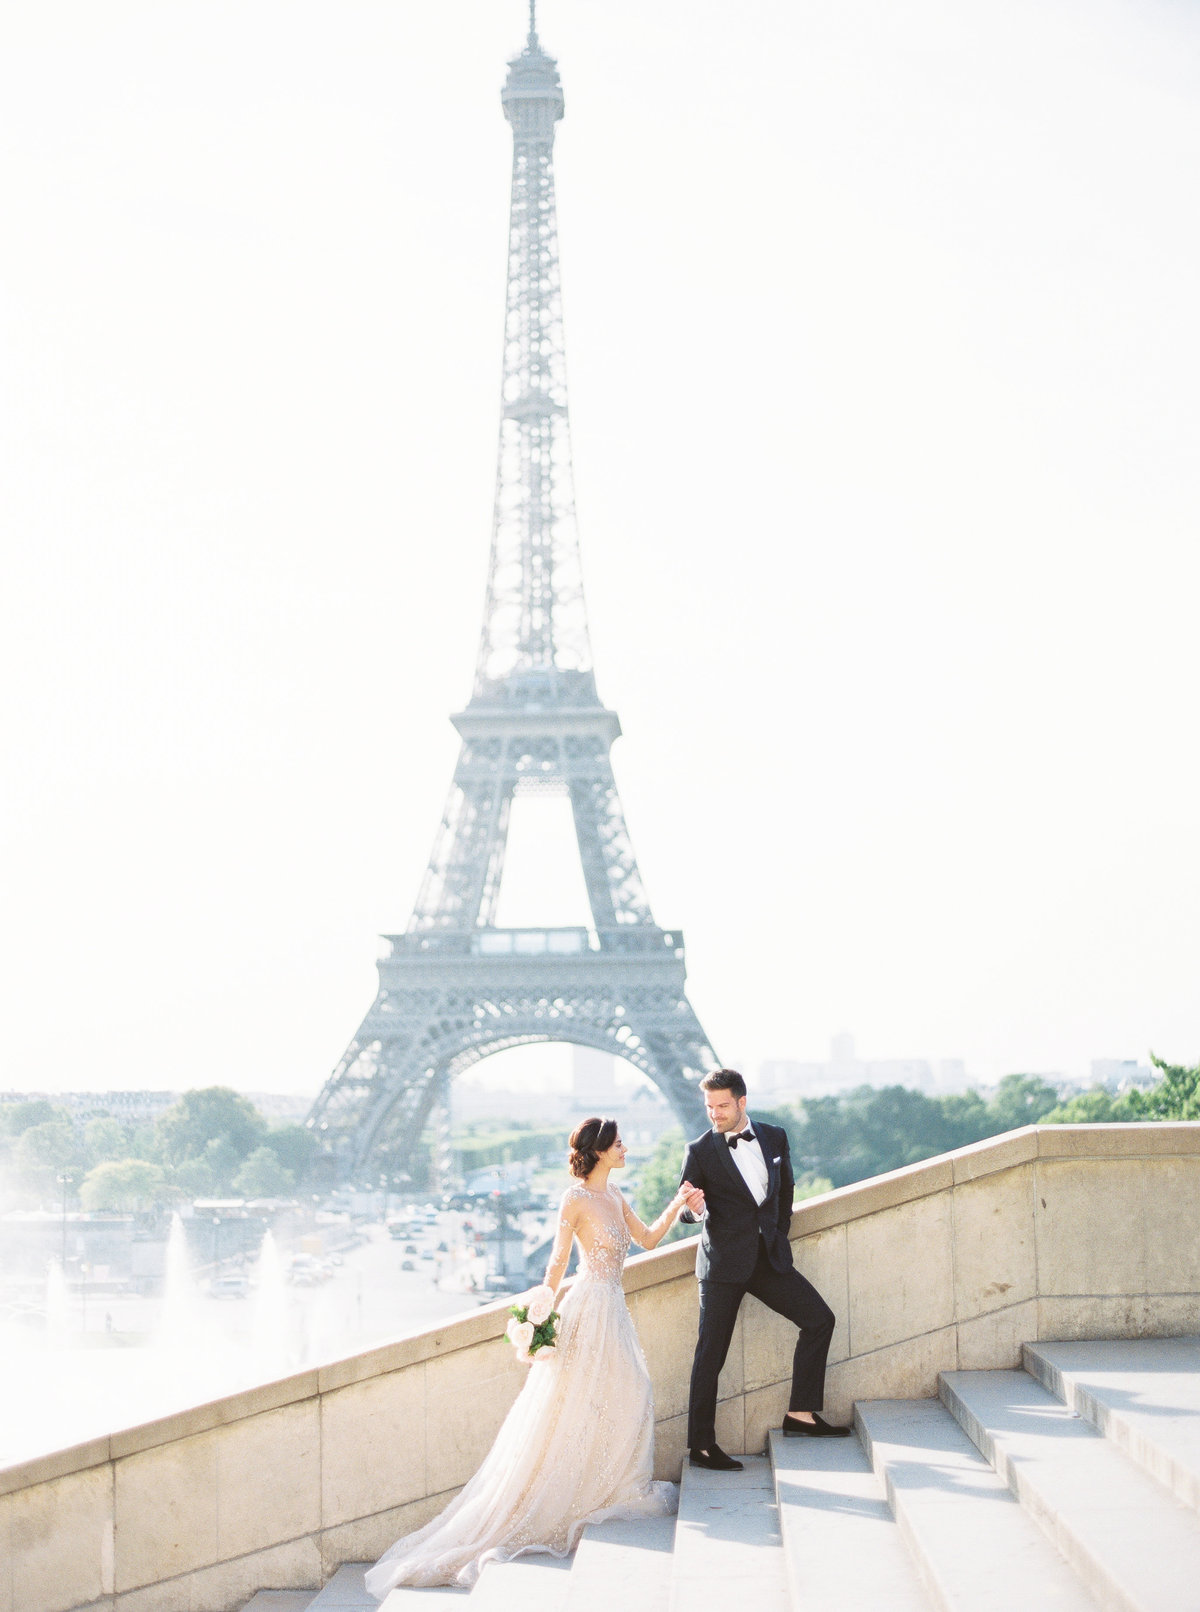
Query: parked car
407,1265
307,1270
230,1285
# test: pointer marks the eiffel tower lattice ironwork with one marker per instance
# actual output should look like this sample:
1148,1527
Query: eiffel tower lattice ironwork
455,988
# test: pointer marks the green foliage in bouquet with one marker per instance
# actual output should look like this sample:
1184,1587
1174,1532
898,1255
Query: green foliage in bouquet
527,1336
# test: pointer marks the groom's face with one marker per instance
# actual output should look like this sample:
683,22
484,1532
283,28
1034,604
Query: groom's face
725,1111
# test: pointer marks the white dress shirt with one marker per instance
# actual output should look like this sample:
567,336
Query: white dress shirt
748,1156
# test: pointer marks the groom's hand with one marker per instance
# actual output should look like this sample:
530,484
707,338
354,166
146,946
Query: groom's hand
693,1197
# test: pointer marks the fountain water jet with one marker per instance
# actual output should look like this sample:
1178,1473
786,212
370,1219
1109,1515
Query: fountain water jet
58,1321
270,1341
179,1317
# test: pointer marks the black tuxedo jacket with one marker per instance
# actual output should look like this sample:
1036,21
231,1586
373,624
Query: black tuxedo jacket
734,1222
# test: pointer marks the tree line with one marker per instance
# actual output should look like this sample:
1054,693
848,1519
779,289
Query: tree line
212,1143
852,1135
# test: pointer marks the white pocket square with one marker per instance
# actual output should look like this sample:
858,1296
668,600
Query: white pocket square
777,1158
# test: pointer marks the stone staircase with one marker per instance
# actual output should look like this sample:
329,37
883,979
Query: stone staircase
1071,1486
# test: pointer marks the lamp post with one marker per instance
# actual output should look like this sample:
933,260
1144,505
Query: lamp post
66,1181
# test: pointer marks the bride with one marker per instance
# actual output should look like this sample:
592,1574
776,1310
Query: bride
578,1444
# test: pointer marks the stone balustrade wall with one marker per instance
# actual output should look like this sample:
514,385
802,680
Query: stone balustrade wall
1052,1232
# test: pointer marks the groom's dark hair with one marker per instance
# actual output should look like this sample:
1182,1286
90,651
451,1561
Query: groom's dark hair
724,1080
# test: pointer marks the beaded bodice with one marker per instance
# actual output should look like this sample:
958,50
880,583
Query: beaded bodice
600,1229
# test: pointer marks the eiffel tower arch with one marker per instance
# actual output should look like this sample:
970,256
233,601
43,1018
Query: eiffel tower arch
455,988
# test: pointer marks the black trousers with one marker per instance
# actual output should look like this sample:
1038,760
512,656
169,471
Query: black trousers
788,1294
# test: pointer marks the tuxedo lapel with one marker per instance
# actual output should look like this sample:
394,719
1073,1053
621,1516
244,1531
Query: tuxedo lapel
769,1150
726,1155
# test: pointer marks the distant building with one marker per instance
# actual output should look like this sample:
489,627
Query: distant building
282,1108
786,1079
131,1107
1120,1074
641,1111
593,1080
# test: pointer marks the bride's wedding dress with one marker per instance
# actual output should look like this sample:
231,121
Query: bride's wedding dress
577,1446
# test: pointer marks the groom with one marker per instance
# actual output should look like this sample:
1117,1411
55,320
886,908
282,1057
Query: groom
738,1182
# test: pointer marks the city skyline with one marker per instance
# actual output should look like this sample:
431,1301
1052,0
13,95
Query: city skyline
882,342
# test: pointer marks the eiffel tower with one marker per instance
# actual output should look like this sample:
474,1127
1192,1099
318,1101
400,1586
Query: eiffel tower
454,987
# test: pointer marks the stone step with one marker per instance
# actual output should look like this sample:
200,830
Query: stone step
728,1550
1142,1393
975,1547
536,1581
407,1599
1135,1547
345,1592
280,1601
841,1544
623,1567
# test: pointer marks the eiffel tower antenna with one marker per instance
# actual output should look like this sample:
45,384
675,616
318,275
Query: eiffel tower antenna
455,987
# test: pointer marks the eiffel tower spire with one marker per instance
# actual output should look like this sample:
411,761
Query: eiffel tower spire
534,650
455,987
535,637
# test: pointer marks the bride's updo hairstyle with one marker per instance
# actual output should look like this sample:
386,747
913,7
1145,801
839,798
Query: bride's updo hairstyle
588,1141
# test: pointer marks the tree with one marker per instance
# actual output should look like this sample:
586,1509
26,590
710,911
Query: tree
43,1153
211,1114
658,1181
17,1118
295,1146
967,1118
1095,1107
123,1184
262,1176
1022,1100
868,1131
50,1145
1176,1096
194,1178
104,1138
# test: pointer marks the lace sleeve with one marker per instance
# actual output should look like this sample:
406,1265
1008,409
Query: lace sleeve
568,1214
650,1236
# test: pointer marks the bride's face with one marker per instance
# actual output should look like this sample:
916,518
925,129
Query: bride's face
614,1156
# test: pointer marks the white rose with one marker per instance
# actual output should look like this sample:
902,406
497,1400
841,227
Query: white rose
521,1336
541,1302
510,1331
544,1352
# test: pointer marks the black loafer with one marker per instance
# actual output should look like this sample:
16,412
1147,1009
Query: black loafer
817,1428
715,1459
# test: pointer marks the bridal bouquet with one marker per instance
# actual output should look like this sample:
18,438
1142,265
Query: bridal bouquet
531,1330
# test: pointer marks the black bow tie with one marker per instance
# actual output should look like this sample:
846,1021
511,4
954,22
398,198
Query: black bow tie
742,1136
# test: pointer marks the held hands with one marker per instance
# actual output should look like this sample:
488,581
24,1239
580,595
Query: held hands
692,1199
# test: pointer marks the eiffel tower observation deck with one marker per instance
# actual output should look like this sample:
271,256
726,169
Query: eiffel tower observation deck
454,987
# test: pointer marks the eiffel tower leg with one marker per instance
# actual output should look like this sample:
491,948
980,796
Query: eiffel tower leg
682,1057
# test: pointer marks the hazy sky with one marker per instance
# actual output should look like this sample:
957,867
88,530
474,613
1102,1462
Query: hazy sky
884,342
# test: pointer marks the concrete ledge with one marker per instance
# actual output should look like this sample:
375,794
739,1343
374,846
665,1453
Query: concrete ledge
1145,1140
997,1153
946,1265
58,1464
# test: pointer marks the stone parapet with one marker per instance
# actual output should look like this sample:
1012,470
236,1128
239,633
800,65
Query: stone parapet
1045,1233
